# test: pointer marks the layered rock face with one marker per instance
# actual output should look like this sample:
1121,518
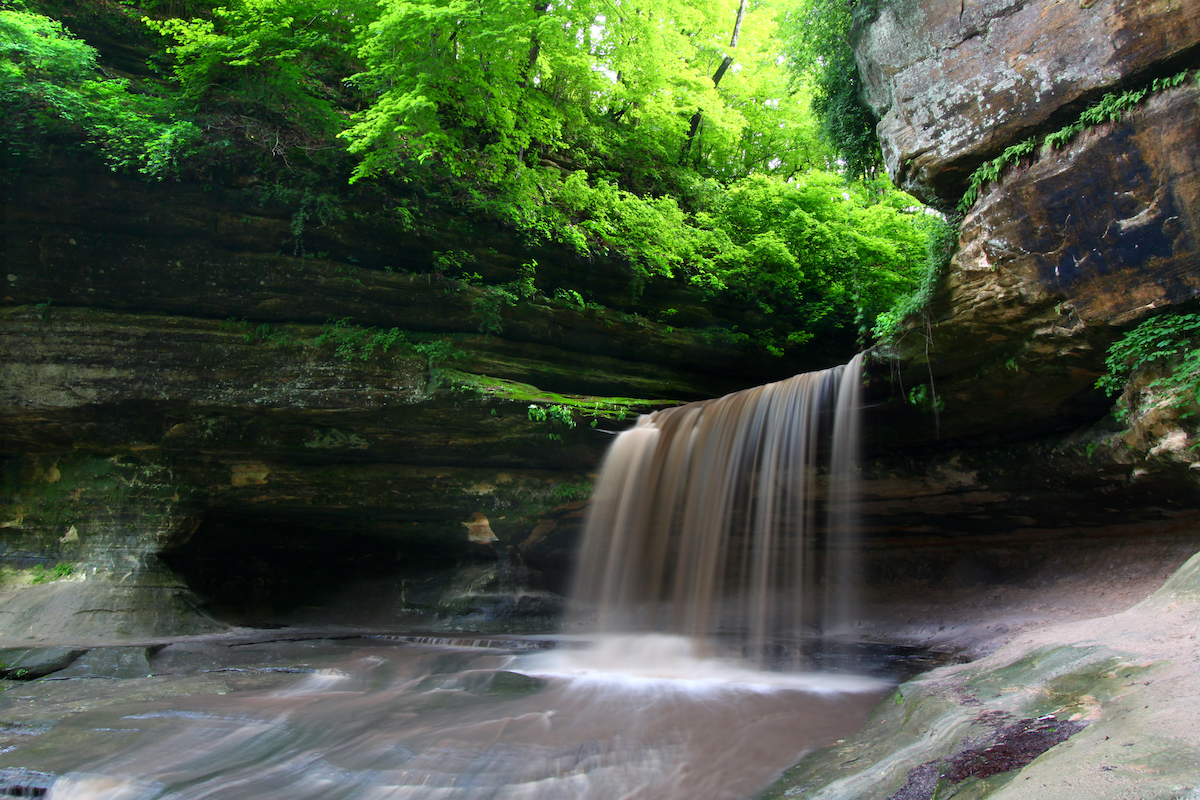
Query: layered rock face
177,432
954,83
1011,459
1072,245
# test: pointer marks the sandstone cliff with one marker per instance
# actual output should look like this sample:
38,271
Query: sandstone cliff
1074,244
196,394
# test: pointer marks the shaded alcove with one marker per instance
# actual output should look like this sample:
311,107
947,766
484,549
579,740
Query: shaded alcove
285,566
331,567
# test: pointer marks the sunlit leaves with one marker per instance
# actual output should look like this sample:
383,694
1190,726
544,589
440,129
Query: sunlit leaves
36,48
49,86
495,86
282,61
817,35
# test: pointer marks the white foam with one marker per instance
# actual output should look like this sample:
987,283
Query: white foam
670,662
322,681
81,786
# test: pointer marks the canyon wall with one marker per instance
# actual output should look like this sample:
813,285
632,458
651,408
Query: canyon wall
184,420
1074,244
1011,458
208,407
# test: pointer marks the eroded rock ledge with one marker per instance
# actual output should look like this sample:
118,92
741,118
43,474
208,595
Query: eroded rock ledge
954,83
169,424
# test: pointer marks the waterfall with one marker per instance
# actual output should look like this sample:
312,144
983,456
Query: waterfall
706,518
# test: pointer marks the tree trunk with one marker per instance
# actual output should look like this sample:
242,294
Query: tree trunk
726,62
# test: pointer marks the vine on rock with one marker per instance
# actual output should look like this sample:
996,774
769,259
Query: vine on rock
1110,108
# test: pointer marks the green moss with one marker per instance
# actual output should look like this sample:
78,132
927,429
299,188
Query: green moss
616,408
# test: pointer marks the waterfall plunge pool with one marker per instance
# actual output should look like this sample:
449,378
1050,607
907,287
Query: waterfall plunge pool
387,717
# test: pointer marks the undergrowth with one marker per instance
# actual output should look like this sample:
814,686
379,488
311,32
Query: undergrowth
939,248
556,416
50,87
1168,342
489,306
356,342
39,573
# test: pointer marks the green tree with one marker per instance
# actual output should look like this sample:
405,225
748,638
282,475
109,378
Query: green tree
817,37
491,89
50,88
271,70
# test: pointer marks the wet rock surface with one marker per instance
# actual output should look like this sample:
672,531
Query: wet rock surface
1014,745
30,664
277,715
1121,687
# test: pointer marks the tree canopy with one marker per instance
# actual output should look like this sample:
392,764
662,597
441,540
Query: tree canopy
679,135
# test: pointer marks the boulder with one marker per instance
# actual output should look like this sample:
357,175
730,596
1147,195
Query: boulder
28,664
1098,708
109,662
1054,262
954,82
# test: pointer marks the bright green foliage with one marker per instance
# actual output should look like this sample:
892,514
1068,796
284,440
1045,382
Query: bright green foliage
941,240
553,415
49,86
1110,108
653,233
1170,342
816,247
570,123
356,342
814,250
817,35
36,48
512,97
490,87
488,307
271,69
990,171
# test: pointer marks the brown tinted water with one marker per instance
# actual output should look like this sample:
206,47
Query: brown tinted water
721,532
705,518
628,717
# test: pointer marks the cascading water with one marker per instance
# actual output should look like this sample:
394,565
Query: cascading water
705,517
711,521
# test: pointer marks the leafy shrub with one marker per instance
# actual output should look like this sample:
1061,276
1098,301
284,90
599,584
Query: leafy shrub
940,245
437,352
1168,342
39,574
49,85
488,307
554,415
268,68
356,342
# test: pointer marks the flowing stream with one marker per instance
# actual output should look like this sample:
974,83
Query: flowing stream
717,563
